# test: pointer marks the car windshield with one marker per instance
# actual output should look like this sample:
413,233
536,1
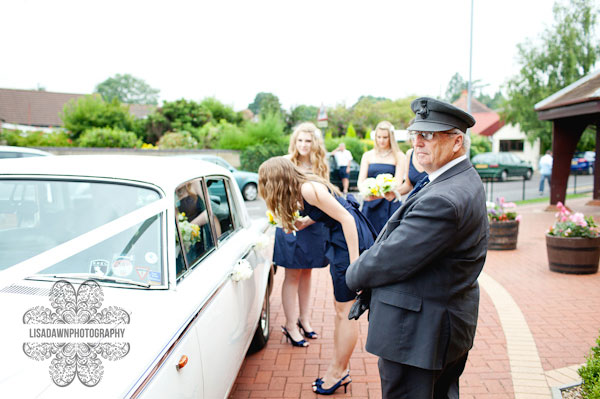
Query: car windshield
485,158
39,215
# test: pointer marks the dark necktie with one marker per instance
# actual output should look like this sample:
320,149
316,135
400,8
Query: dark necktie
420,184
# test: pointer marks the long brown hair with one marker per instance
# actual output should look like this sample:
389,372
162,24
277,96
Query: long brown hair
280,183
317,150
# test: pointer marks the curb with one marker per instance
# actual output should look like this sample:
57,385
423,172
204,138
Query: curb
557,391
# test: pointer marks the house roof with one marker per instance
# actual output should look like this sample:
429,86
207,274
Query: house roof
487,121
42,108
584,90
32,107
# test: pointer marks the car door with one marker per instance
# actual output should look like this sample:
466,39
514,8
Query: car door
228,319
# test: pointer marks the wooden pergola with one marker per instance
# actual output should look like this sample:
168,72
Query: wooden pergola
571,111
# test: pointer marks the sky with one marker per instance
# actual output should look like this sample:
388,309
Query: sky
305,52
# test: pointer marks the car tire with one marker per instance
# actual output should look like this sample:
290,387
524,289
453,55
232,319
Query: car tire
263,330
528,174
590,170
250,192
503,175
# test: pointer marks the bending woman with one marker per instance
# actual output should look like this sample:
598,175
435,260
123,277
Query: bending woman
305,250
286,189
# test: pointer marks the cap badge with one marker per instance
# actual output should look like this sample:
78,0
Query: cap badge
423,112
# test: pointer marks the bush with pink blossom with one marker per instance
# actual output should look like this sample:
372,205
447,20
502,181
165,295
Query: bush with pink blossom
502,211
573,224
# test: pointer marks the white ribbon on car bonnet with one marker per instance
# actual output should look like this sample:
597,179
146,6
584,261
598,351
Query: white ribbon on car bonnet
72,247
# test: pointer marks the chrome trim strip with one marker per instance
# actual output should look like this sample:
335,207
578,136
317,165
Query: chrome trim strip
183,333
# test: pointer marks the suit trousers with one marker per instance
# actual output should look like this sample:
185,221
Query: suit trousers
400,381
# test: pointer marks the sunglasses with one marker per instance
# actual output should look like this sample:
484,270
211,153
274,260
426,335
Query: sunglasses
426,135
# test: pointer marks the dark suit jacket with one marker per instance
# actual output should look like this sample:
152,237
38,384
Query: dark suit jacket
423,272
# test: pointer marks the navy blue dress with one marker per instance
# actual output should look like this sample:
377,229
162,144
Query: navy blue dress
337,250
305,250
413,174
379,211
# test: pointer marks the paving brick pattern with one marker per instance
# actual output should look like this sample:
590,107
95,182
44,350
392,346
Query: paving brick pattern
559,312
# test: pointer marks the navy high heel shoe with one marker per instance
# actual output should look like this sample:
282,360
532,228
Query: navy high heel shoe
318,386
302,343
307,334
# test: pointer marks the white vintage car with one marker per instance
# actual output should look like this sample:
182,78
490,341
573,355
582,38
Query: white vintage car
128,276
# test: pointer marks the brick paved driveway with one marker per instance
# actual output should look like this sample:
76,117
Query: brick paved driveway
535,328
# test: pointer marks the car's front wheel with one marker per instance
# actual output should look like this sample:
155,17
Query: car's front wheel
503,175
250,192
261,335
528,174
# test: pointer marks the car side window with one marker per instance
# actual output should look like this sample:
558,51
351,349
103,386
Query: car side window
194,230
220,192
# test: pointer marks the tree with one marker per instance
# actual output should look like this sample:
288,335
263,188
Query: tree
302,113
265,103
567,51
456,85
127,89
92,111
220,111
176,116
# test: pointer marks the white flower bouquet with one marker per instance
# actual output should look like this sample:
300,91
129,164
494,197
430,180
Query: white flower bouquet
378,186
276,222
190,232
241,271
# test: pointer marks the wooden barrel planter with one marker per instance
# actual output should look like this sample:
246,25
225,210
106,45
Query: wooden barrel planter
503,235
573,255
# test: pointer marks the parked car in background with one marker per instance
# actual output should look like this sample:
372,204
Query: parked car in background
334,176
131,242
501,166
583,162
8,151
247,181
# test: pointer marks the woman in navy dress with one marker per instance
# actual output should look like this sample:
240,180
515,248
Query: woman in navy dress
386,157
305,250
286,188
413,173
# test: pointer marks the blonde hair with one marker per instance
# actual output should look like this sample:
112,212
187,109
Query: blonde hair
280,183
387,126
317,150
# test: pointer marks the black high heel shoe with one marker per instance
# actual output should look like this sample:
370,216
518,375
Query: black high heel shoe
307,334
318,386
302,343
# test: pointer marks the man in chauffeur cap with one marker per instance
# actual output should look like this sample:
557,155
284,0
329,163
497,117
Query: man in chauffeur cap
423,268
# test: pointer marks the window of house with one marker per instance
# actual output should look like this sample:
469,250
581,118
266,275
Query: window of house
511,145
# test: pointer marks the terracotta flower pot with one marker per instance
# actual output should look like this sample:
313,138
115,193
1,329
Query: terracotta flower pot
503,235
574,255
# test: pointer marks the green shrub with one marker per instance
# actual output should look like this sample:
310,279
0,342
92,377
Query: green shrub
268,130
590,373
253,156
479,144
354,145
351,133
209,135
108,137
92,111
35,139
405,146
181,139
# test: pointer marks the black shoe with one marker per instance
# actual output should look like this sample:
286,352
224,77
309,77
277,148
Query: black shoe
318,386
302,343
307,334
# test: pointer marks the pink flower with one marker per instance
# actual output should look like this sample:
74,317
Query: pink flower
518,218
